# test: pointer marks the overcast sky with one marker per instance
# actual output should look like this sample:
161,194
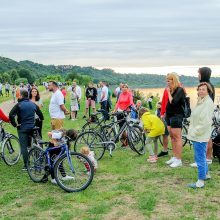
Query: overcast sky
120,34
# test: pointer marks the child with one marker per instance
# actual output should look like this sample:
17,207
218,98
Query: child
154,127
57,139
157,113
90,154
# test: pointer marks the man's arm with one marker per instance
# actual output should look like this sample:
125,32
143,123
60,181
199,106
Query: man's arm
13,114
64,109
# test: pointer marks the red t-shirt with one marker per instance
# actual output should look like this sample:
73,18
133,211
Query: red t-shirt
64,92
124,101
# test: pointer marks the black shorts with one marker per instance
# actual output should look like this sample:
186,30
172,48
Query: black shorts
175,121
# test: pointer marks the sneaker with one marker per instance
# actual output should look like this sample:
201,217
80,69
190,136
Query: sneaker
170,161
162,153
194,186
209,161
193,164
65,178
176,163
53,181
152,159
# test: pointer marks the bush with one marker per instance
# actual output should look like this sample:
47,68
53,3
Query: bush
21,80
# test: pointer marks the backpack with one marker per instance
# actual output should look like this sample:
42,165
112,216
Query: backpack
186,107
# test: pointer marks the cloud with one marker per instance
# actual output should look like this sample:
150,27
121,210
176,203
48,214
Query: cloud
111,33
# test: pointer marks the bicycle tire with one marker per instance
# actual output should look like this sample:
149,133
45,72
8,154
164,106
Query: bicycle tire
108,132
90,126
82,176
11,150
92,140
36,166
136,139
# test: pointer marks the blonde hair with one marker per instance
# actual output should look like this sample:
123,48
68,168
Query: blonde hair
84,150
176,82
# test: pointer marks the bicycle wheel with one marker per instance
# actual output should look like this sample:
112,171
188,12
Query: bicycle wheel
11,150
36,166
90,126
92,140
136,139
184,135
108,132
73,173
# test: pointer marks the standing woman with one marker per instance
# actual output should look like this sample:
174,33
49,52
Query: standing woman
125,100
200,131
174,117
35,98
74,106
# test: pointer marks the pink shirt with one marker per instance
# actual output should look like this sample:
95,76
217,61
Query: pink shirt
124,101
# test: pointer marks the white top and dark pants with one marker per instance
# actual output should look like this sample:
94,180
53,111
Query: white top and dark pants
104,101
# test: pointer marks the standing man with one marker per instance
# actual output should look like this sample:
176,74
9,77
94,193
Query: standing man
91,94
57,108
7,89
104,98
25,111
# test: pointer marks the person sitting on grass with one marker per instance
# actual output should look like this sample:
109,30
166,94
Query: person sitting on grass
57,138
90,154
154,127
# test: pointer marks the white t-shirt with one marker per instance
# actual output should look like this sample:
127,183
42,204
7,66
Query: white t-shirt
104,91
56,100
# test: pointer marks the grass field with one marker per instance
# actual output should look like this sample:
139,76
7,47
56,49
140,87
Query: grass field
124,187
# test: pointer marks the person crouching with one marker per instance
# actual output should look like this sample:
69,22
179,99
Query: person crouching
154,128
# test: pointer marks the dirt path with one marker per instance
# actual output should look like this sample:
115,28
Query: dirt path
8,105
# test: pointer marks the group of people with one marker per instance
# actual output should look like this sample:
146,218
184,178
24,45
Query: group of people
166,122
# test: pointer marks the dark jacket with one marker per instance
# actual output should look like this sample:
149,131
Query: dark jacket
205,73
176,106
91,93
25,111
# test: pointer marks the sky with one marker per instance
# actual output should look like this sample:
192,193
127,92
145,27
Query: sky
128,36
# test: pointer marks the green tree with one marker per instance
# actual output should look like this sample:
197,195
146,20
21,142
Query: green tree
13,75
21,80
25,73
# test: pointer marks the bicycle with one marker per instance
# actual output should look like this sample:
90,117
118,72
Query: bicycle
109,136
66,163
185,127
10,146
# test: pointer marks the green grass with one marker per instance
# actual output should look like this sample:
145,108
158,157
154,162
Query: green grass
124,187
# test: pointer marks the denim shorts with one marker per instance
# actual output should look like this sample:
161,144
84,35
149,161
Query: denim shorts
175,121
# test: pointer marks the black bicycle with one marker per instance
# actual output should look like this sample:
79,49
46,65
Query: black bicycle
10,146
109,135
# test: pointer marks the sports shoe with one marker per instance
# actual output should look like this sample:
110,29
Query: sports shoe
65,178
193,164
209,161
176,163
170,161
162,153
152,159
194,186
53,181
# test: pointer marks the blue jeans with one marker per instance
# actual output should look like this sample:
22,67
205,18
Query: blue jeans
104,107
200,149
